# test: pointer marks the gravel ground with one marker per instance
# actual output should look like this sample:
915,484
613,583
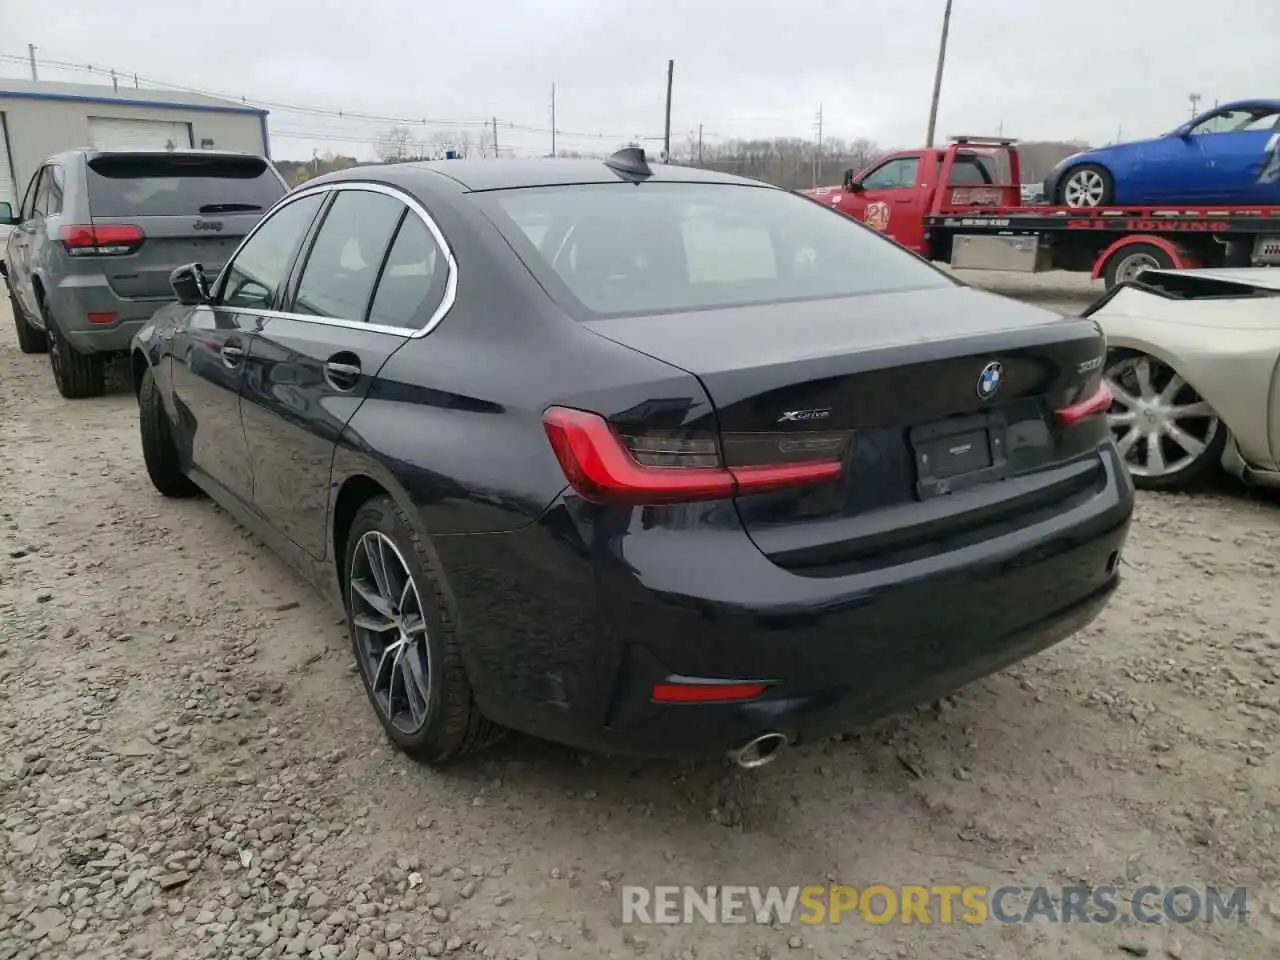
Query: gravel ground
190,768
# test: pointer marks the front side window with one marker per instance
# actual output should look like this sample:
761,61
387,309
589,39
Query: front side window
893,175
40,206
255,278
413,280
29,199
624,249
348,251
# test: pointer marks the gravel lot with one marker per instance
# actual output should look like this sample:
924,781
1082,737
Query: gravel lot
190,768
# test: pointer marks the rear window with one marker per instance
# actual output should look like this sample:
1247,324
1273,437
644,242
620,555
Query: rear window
619,249
135,186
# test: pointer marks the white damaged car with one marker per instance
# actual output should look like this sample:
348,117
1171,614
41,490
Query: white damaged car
1193,362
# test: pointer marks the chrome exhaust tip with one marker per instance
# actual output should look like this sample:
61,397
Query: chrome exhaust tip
758,751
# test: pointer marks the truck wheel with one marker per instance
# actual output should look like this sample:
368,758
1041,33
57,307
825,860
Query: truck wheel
75,374
30,340
1127,262
1087,185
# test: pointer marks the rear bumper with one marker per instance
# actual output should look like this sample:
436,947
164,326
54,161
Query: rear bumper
566,639
76,297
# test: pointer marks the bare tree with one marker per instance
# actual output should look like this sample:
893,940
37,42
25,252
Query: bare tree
395,145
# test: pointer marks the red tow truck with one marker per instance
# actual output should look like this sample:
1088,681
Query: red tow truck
963,205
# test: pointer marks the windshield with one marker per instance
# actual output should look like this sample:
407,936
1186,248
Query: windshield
620,248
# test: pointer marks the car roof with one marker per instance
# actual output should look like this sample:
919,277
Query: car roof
1259,104
480,175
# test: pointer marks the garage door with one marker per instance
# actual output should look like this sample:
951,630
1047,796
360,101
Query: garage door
8,189
116,133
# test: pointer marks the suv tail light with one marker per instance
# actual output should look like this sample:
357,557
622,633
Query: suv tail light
101,240
1090,406
653,467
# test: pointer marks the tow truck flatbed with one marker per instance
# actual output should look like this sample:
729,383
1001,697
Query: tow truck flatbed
975,221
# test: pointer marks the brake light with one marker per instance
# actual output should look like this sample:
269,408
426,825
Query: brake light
101,240
654,468
1091,406
704,692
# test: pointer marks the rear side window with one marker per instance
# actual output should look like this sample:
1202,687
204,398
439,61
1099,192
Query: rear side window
617,249
139,185
413,280
347,254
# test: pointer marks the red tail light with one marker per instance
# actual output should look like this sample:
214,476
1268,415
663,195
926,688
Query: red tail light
1091,406
101,240
603,467
694,692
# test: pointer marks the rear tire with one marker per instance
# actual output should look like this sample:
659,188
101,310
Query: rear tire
1125,263
76,375
445,722
1087,185
30,340
158,449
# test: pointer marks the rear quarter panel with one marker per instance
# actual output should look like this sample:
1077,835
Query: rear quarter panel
1228,350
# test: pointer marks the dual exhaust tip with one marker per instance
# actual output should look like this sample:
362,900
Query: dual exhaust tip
758,751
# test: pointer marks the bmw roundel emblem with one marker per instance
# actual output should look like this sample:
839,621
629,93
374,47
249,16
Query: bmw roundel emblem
989,380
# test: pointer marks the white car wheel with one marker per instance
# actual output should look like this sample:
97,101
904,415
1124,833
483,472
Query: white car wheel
1169,436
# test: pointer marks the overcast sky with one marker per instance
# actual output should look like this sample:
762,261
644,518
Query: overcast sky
1045,70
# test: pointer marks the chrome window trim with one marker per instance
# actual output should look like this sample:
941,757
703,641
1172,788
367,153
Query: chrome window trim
409,333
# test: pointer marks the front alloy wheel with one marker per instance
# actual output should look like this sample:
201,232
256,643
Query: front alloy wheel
390,629
1168,435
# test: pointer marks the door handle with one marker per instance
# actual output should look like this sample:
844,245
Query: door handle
232,354
342,374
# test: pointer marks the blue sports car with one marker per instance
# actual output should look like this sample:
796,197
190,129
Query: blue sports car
1229,155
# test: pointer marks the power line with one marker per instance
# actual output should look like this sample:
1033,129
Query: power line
307,109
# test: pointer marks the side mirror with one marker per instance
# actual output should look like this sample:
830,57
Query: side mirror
1183,132
189,285
7,219
849,185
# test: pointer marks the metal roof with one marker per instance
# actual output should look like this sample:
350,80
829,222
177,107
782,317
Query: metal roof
126,96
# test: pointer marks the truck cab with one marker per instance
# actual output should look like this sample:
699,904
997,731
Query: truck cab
898,190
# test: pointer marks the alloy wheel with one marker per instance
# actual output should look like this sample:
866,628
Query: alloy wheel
390,628
1161,425
1084,188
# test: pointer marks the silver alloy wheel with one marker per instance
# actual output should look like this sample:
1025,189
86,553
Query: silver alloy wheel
1160,423
390,631
1084,188
1133,264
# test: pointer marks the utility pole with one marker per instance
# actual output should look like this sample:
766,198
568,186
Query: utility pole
495,138
31,55
699,144
115,82
666,135
817,157
553,119
937,76
135,81
1195,104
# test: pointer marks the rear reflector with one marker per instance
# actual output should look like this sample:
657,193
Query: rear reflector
603,467
1099,402
103,317
101,240
706,692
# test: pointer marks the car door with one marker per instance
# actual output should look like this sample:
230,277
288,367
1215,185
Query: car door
209,350
887,198
20,243
309,370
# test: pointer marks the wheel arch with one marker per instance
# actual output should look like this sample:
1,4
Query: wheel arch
1182,257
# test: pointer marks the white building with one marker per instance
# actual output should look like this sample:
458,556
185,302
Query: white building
38,119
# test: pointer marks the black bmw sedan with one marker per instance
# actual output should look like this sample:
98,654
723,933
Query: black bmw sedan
641,459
